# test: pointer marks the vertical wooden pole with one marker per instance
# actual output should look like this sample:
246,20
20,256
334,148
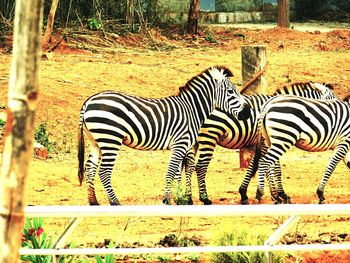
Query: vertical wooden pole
253,62
283,13
22,99
129,13
49,26
193,14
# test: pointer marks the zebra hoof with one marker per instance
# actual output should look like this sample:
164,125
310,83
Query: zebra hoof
166,201
287,200
259,195
189,201
115,203
276,200
206,201
243,193
321,201
245,202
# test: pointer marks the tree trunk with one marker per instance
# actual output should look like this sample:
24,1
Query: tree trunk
129,13
22,99
193,14
49,26
283,13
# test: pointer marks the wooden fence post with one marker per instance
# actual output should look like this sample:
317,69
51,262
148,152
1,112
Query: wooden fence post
22,98
253,62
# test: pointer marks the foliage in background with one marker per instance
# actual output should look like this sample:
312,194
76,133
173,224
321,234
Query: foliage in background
331,10
243,237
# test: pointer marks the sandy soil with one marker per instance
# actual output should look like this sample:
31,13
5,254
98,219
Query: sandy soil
133,65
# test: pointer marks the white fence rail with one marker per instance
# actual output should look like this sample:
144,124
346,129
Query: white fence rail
294,211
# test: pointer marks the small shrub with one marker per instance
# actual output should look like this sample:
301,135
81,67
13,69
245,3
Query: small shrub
34,237
41,135
211,39
243,238
2,124
179,192
94,24
164,258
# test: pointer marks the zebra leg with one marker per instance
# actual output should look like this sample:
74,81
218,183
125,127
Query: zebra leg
280,190
339,153
201,171
105,173
252,169
270,177
174,170
90,170
189,168
265,164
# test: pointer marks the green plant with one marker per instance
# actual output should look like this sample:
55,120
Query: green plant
193,257
243,238
35,237
210,39
179,193
2,123
94,24
41,135
107,258
163,258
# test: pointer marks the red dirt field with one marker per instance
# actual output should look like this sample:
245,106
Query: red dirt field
155,66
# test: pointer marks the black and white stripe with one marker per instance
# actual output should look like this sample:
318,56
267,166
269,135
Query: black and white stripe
310,125
227,131
110,119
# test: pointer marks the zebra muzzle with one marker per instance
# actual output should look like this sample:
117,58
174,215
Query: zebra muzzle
244,114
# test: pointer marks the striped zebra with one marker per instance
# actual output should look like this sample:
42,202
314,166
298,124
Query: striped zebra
227,131
110,119
310,125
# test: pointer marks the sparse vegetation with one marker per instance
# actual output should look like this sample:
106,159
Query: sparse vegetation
41,135
242,237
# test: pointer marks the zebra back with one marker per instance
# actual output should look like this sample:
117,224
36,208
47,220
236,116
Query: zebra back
309,89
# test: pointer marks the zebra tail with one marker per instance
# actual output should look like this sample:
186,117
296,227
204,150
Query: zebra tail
81,153
257,154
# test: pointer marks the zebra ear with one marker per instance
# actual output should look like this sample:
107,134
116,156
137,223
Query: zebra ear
227,72
328,85
321,87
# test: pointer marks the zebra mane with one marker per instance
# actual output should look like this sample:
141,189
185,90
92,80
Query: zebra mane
310,85
217,72
347,98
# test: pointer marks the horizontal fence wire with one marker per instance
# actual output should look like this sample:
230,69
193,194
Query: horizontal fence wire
186,211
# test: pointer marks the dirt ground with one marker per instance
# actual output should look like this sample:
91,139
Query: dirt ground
155,65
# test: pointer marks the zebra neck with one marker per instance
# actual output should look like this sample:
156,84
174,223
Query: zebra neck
199,104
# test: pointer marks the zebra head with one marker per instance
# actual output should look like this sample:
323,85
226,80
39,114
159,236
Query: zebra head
228,97
325,90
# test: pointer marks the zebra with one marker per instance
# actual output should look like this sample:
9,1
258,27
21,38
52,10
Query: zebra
110,119
310,125
227,131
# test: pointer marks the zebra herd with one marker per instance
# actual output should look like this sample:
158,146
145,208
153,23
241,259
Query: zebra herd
208,111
